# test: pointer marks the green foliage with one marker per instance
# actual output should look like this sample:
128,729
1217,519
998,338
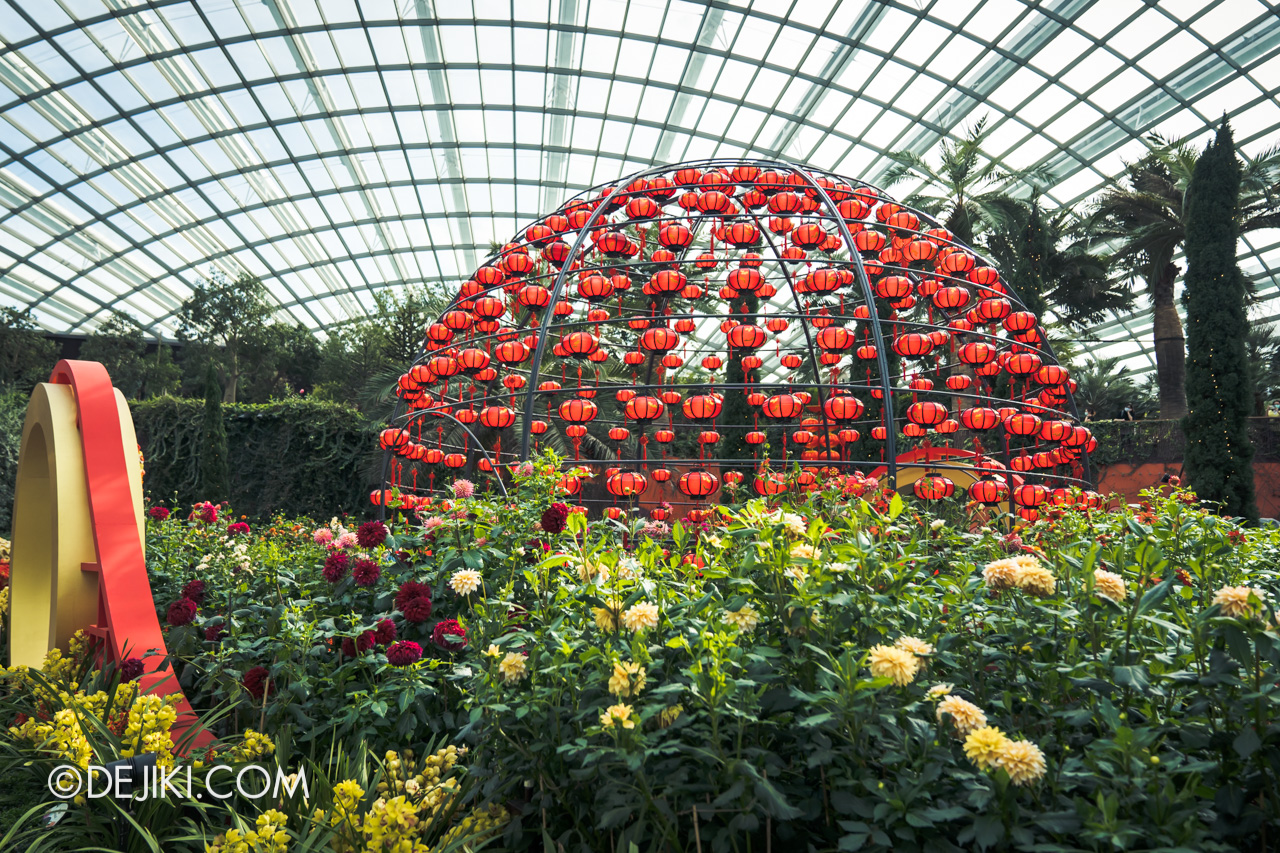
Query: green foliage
26,356
119,345
1049,263
225,316
13,410
214,477
1135,442
1104,388
1143,221
1219,391
360,362
968,190
1263,347
298,456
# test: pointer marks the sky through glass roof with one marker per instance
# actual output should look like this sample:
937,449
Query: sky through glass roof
340,148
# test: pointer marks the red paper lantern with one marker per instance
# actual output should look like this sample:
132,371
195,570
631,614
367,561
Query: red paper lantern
926,413
702,407
699,484
988,491
626,484
782,407
642,409
979,418
578,411
934,487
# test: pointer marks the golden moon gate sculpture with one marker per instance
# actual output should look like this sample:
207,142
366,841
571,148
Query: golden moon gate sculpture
749,324
78,557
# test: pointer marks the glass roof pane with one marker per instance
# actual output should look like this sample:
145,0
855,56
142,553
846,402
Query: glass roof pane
354,144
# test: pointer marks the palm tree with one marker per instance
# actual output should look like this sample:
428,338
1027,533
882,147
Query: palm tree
1263,346
1103,387
1144,221
1044,256
967,192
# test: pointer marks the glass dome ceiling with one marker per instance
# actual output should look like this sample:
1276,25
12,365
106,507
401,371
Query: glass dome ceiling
339,148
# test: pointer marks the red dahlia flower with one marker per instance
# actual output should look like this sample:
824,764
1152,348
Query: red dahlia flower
159,513
417,610
554,517
335,567
239,528
371,534
449,635
257,682
409,590
366,572
385,633
131,669
194,590
351,648
181,612
404,653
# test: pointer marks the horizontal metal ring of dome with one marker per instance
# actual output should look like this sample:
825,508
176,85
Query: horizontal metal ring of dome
814,296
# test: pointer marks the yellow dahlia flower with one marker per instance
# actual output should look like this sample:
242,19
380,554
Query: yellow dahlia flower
627,679
983,746
745,620
965,715
640,615
1022,760
513,667
1109,585
914,645
898,665
1234,601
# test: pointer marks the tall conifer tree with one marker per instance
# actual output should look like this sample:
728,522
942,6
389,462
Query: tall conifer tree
1219,397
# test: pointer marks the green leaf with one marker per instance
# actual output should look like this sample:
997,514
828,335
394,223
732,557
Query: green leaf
987,831
1133,676
896,506
1154,596
1247,743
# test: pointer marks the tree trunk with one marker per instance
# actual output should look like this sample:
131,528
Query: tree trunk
1170,346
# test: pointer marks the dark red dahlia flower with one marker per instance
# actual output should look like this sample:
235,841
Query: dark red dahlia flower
385,633
371,534
449,635
417,610
159,513
409,590
194,590
404,653
257,682
554,517
351,647
181,612
366,572
131,669
335,567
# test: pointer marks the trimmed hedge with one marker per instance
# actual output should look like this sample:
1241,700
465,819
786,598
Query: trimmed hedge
297,457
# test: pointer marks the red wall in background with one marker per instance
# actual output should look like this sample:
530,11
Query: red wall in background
1129,480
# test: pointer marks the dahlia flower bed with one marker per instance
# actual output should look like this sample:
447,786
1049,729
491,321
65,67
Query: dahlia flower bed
837,669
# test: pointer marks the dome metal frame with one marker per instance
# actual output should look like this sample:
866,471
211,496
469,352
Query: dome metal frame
583,257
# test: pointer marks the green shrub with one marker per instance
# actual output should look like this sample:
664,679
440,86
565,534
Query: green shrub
297,457
13,412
